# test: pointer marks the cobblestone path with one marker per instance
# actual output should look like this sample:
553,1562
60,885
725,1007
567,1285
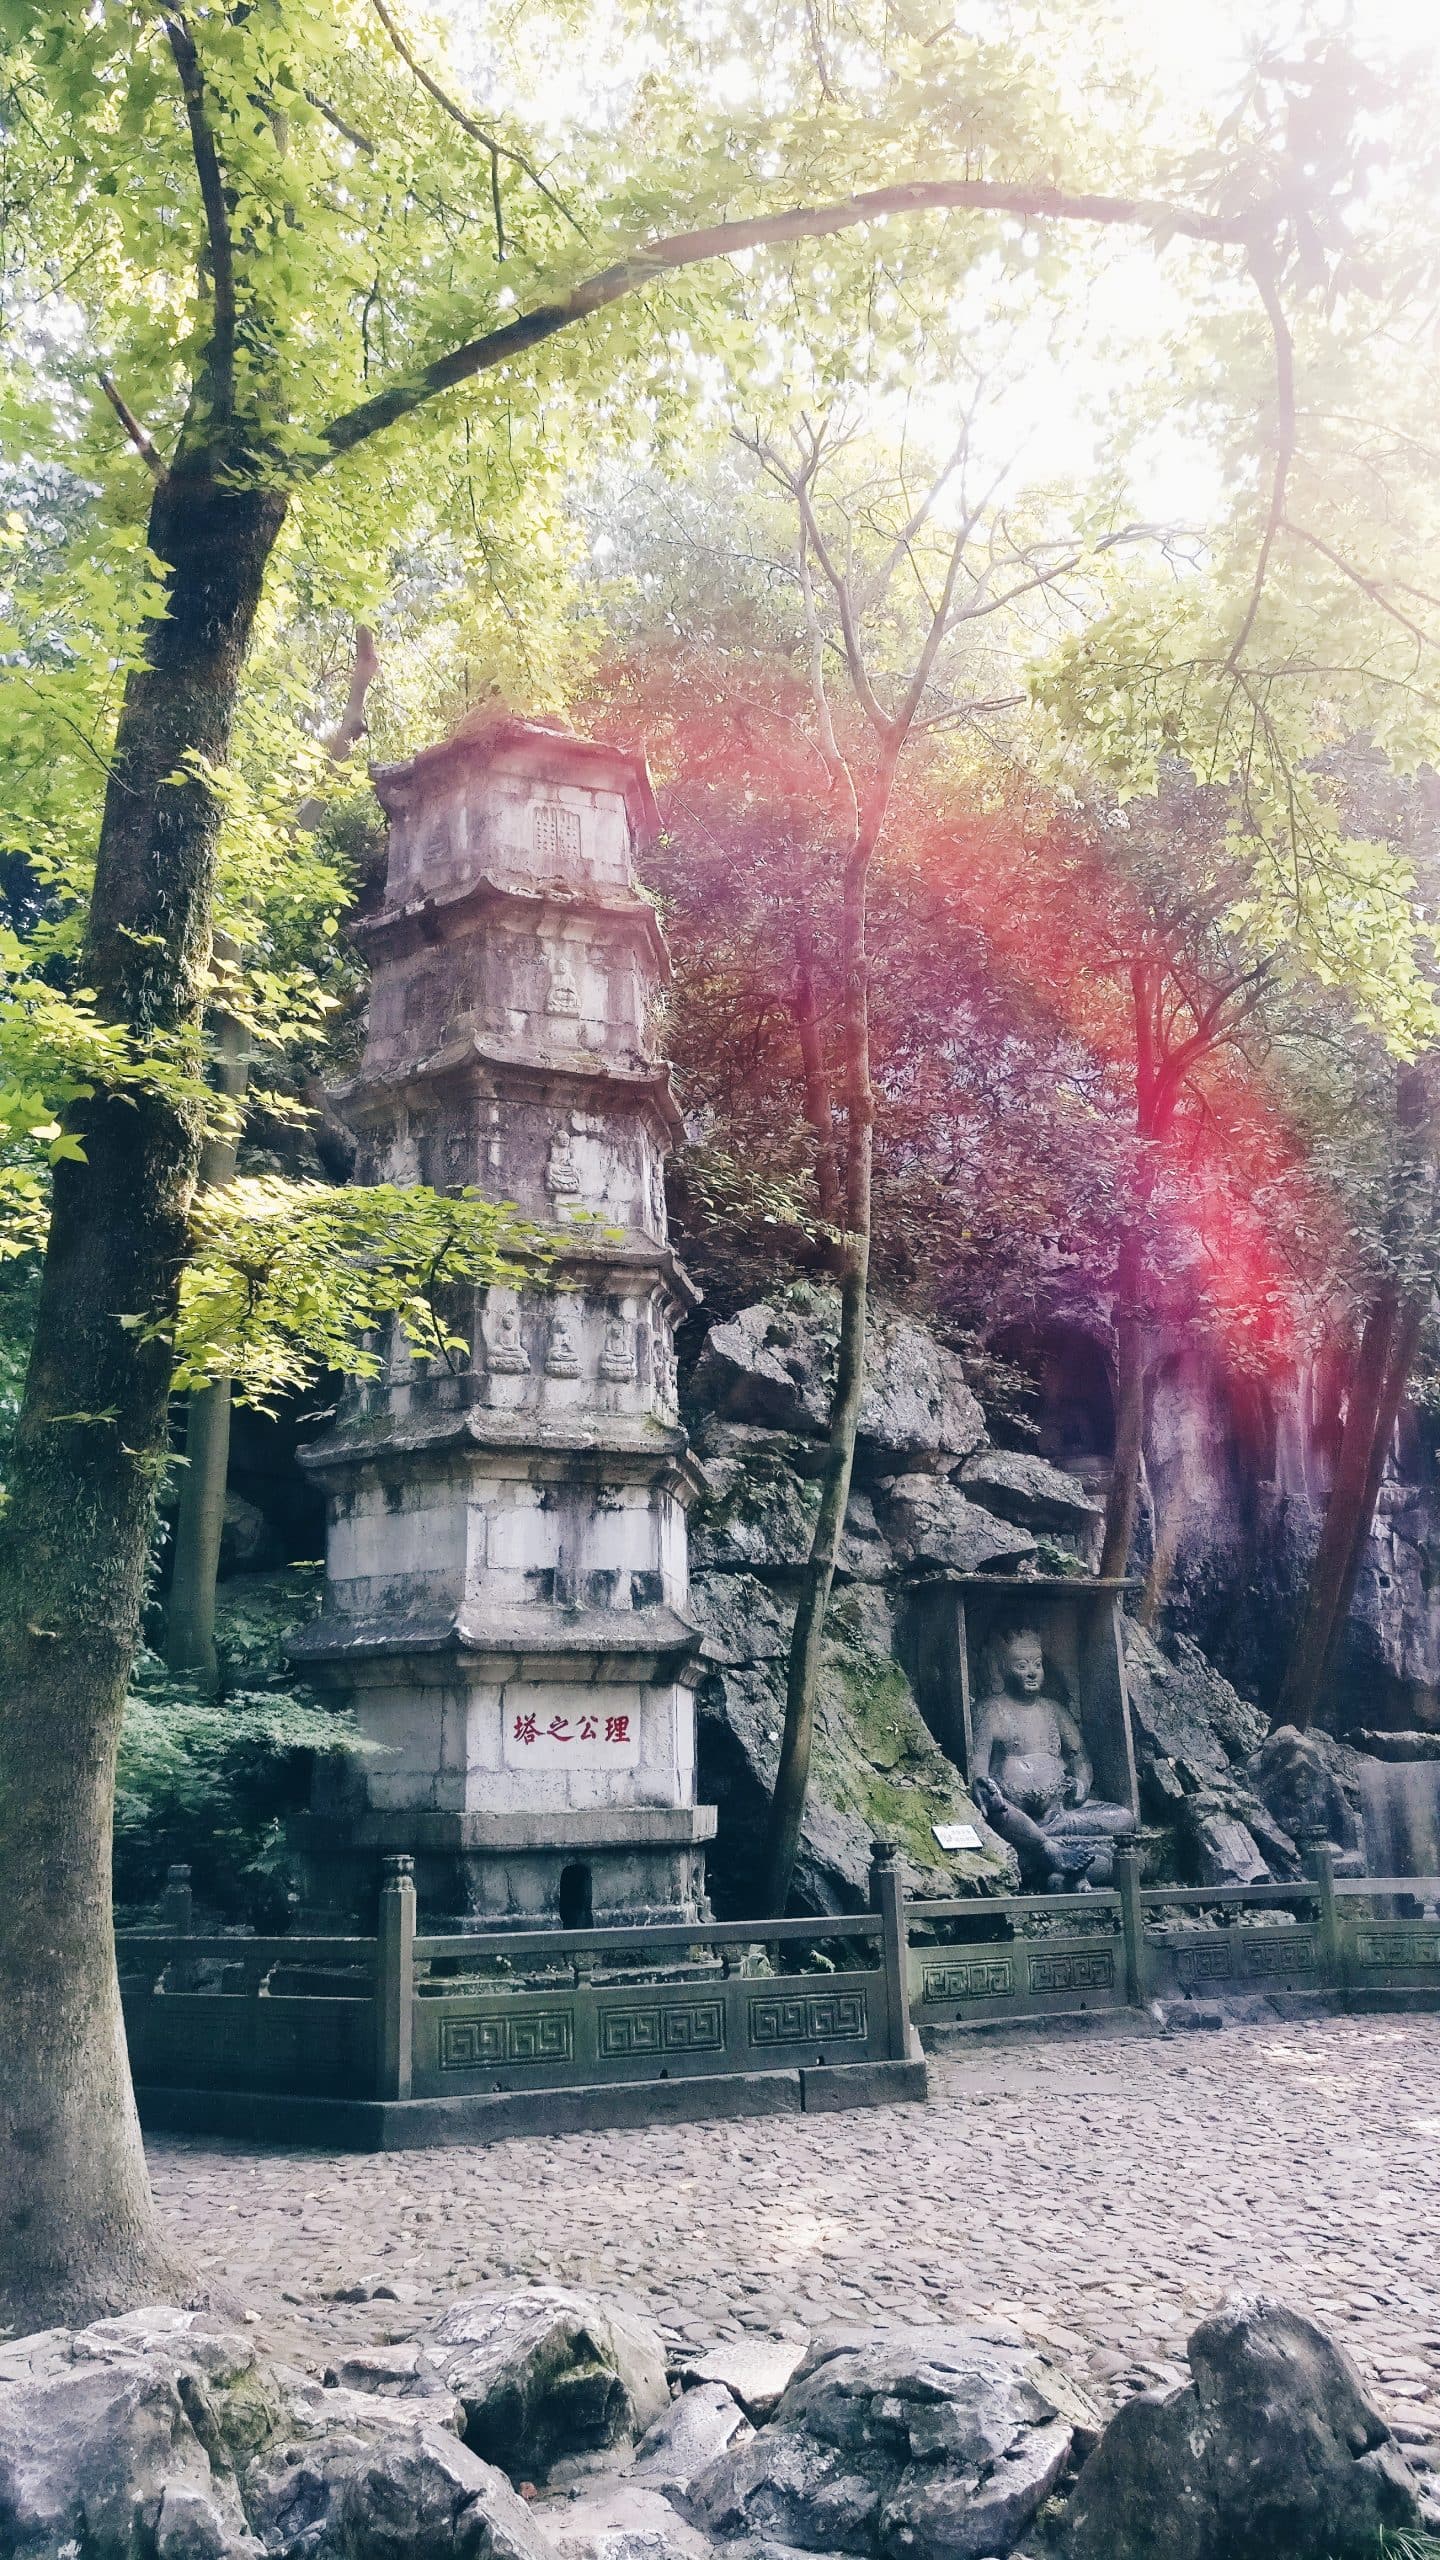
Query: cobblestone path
1104,2193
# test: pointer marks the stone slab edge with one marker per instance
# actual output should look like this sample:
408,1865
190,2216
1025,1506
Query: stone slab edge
371,2124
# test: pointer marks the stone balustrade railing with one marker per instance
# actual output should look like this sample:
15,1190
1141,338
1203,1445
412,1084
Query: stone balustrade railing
407,2037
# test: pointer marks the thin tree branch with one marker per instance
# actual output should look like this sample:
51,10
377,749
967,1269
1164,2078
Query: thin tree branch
934,637
143,443
1262,268
1370,587
332,116
682,249
220,358
477,132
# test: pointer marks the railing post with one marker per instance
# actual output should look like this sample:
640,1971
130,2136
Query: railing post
1320,1863
177,1915
395,1979
177,1902
1132,1925
887,1897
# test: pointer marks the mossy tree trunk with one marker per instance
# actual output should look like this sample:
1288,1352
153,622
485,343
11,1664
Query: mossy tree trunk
78,2233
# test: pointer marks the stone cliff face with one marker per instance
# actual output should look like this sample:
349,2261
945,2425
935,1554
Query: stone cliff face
931,1496
1237,1471
756,1410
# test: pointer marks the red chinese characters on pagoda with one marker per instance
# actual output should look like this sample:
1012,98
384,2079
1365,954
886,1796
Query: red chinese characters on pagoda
611,1729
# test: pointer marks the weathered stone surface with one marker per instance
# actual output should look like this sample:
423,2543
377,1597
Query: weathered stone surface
548,2372
1271,2452
757,1509
620,2512
1194,1741
1019,1486
1389,1746
694,2431
398,2373
930,1524
1298,1778
371,2479
1225,1850
124,2437
1184,1710
877,1770
757,2370
773,1364
757,1512
160,2437
763,1367
934,2443
745,1620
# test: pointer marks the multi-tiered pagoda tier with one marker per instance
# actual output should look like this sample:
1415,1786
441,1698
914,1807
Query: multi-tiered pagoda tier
506,1570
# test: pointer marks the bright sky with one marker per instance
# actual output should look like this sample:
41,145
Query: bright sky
1207,39
1198,49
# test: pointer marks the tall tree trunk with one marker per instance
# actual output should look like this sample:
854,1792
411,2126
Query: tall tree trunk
787,1805
1389,1342
78,2232
200,1520
1131,1360
816,1079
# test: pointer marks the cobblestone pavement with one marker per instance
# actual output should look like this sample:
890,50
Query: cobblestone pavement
1104,2193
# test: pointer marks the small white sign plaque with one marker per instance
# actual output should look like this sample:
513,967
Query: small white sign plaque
956,1835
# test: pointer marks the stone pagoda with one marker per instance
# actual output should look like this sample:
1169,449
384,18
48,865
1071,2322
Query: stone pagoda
506,1577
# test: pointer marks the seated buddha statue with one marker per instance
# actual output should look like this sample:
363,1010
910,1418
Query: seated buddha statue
1032,1777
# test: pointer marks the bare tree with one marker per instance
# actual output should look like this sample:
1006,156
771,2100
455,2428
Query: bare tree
941,566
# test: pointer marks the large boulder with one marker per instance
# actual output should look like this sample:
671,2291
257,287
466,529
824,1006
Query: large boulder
694,2431
1195,1738
124,2437
876,1770
361,2478
1022,1487
931,2444
934,1527
756,1511
161,2437
774,1364
1270,2452
547,2372
1301,1779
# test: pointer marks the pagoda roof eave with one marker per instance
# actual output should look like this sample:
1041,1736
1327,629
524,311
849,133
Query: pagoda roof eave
428,919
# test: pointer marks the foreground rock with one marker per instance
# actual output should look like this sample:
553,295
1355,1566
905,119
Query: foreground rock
356,2478
159,2437
936,2444
1271,2452
547,2372
695,2430
759,2371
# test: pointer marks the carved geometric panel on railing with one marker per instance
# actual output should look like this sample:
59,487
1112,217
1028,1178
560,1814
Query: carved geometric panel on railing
671,2026
980,1978
484,2043
1397,1946
1073,1972
1203,1963
807,2017
1268,1952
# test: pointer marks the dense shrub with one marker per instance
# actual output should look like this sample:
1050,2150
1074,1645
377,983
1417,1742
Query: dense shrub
213,1785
